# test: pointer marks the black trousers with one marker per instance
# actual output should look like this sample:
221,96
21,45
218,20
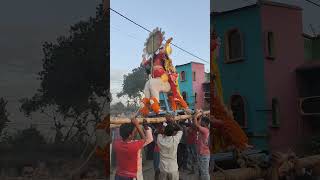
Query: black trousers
182,154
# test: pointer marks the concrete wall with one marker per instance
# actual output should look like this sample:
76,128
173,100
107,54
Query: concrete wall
307,49
279,74
245,78
197,85
187,84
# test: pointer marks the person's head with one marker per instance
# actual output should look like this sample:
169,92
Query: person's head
181,123
127,131
162,49
159,127
169,117
170,129
205,121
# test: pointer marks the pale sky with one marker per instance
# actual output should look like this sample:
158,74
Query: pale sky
187,21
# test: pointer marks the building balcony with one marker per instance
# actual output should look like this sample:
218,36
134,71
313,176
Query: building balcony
309,89
309,106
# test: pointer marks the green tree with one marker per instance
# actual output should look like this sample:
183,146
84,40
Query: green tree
117,108
4,115
29,138
133,84
74,79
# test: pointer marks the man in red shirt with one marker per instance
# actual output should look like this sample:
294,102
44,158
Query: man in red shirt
191,148
128,150
202,125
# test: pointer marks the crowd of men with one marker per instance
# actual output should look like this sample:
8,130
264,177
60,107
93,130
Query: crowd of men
178,146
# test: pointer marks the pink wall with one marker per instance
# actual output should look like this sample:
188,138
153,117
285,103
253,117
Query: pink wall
280,77
197,85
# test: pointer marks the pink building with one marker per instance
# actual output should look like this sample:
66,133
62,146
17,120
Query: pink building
282,24
192,84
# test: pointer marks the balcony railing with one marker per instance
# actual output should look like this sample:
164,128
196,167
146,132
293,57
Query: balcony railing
309,105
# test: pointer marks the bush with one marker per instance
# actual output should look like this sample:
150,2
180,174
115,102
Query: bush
27,139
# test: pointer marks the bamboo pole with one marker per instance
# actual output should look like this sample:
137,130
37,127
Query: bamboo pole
114,125
116,122
254,173
239,174
308,162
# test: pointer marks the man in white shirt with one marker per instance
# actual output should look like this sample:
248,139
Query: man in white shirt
168,144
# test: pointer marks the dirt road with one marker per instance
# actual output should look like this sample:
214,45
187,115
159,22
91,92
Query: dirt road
148,173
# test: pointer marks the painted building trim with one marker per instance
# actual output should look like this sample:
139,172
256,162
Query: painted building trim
258,4
192,62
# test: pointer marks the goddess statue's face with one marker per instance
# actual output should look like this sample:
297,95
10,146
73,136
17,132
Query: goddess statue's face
162,50
160,39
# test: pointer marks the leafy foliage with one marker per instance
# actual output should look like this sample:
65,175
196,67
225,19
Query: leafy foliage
75,68
29,138
117,108
74,76
133,83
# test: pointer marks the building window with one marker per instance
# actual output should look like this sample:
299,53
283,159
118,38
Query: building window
237,104
234,46
183,75
195,97
275,112
184,95
270,45
194,76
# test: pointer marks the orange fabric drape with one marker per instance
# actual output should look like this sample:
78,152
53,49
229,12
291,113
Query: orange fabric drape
231,134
